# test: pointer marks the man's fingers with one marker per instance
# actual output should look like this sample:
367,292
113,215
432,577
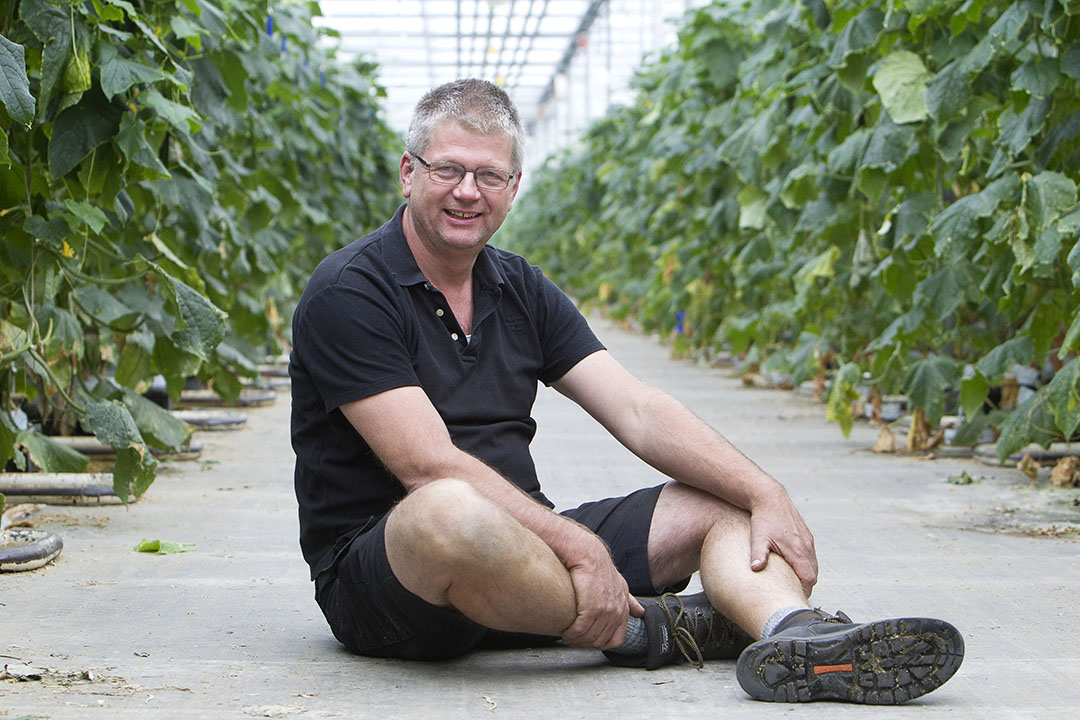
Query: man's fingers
759,551
595,633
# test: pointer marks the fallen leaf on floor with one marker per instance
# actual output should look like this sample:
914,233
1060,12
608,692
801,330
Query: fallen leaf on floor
163,547
1029,467
963,479
1067,472
886,442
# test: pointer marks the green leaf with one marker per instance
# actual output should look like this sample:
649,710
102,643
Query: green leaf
1049,194
112,424
846,156
927,382
1031,422
1007,27
1037,77
119,73
859,34
1018,351
14,86
64,333
968,434
948,92
1017,130
203,324
800,186
159,427
125,6
974,390
913,215
51,25
1070,61
77,73
958,222
1074,263
901,82
80,129
1063,398
181,117
134,364
753,205
50,455
163,547
133,472
820,266
946,290
900,328
743,148
187,30
55,229
131,139
88,213
106,309
8,432
842,395
1072,338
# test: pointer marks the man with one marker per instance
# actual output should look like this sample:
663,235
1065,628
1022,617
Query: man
417,351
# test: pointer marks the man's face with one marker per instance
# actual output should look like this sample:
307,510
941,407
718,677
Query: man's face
462,216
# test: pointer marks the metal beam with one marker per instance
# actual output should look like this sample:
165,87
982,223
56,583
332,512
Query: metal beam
586,22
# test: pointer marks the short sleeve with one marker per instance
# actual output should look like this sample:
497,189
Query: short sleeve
565,335
354,342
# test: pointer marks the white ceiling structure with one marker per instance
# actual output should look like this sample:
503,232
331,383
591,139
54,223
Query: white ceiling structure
521,45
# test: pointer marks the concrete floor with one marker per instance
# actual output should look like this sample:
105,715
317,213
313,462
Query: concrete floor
230,629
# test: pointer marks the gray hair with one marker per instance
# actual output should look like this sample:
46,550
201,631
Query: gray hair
477,105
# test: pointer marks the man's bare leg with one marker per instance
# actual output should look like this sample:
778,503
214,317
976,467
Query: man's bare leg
693,530
809,655
452,547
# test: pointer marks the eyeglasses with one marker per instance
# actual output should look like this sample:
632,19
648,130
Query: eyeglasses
451,173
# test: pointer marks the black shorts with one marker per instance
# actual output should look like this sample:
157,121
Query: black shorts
371,613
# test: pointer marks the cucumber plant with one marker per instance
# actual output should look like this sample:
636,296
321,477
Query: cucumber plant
880,190
170,172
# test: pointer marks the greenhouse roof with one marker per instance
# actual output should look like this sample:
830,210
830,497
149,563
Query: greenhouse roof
519,44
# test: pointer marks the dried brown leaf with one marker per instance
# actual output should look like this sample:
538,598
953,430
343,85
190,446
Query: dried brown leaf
886,442
1029,467
1067,472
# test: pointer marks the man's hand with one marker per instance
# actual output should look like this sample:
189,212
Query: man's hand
776,526
603,601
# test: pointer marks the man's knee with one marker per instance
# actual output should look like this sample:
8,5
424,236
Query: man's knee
449,521
684,517
690,514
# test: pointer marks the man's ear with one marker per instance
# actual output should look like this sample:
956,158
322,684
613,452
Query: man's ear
514,189
406,173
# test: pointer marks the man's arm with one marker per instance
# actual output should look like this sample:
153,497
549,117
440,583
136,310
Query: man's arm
409,437
664,433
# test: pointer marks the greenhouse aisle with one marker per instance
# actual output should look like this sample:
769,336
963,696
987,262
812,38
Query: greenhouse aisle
230,629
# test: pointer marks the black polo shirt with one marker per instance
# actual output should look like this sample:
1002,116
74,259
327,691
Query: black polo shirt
368,321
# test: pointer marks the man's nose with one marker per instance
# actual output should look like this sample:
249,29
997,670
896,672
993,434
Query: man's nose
468,187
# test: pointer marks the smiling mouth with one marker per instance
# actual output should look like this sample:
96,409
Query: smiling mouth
462,215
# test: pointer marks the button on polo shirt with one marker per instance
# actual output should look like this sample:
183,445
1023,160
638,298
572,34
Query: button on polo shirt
369,322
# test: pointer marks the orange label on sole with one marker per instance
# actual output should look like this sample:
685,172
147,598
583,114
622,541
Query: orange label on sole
818,670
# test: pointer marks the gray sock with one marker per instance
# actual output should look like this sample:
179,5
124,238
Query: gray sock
777,617
636,641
